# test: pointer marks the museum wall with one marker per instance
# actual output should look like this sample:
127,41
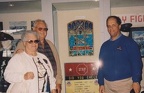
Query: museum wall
64,17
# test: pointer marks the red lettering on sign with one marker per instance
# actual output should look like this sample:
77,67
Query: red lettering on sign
137,18
131,18
140,18
124,19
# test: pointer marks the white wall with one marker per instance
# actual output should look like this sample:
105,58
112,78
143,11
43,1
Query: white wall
136,12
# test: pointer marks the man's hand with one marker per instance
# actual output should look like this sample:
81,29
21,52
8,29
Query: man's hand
19,51
101,89
58,88
136,86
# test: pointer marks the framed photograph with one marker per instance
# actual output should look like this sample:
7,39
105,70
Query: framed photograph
32,24
18,25
1,26
137,33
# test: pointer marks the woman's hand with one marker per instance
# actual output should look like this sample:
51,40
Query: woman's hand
28,75
58,88
19,51
53,91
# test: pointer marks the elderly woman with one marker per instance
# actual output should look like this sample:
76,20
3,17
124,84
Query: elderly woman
30,71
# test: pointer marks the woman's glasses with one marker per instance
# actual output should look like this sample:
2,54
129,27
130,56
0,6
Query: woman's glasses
33,41
44,29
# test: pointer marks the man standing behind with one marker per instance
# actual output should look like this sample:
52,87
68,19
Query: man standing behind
121,69
47,48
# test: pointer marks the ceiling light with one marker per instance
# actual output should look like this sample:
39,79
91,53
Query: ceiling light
11,4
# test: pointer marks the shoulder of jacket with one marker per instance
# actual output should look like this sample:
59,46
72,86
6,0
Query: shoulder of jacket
18,57
48,41
50,44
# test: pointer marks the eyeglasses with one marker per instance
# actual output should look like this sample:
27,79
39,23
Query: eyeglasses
40,29
33,41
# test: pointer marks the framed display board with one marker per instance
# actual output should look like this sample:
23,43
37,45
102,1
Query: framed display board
81,78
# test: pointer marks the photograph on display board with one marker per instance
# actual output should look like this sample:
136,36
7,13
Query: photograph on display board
18,25
137,33
32,24
1,26
80,38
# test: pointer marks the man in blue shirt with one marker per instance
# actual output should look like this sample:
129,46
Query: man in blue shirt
121,68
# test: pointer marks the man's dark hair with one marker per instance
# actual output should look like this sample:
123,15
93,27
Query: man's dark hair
116,17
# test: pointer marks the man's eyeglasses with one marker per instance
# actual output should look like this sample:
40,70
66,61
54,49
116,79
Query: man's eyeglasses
40,29
33,41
